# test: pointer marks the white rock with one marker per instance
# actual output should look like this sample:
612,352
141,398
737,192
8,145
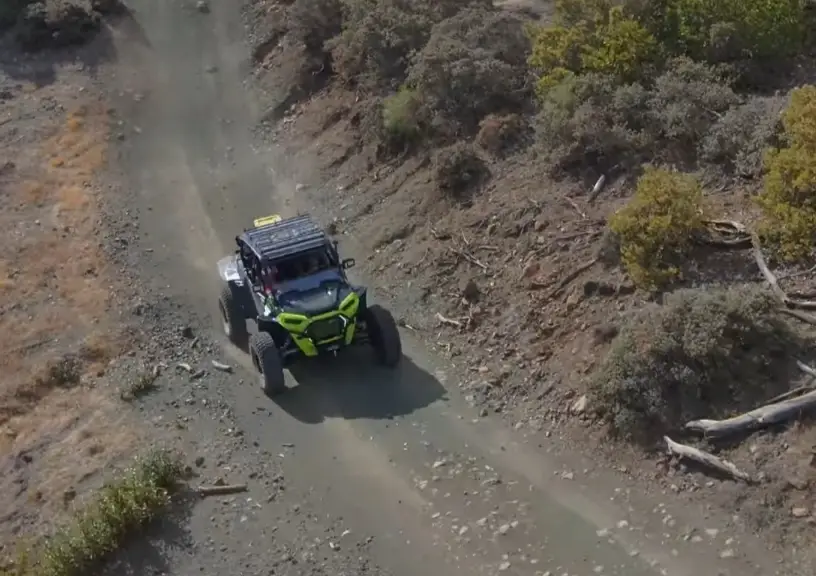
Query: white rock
580,405
202,7
800,512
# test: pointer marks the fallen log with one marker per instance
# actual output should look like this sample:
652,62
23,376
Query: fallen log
706,459
756,419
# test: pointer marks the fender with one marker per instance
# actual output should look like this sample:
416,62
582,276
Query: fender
228,270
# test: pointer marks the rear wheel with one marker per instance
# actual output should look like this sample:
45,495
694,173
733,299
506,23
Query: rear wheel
232,318
383,336
267,360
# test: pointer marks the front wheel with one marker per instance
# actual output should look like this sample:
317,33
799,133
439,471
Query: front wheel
267,360
232,318
384,336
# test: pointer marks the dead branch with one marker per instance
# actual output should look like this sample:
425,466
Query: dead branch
771,279
221,490
702,457
577,208
470,258
572,276
762,417
805,368
448,321
597,189
799,315
799,273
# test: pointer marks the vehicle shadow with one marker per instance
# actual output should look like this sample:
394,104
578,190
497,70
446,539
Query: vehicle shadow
351,386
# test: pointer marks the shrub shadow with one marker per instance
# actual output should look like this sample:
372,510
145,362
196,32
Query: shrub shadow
150,551
351,386
41,67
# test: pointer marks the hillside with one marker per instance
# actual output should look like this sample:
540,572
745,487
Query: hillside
564,199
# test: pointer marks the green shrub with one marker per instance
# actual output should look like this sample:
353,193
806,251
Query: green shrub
474,64
400,117
739,138
590,121
687,99
703,354
724,30
379,36
99,529
788,198
592,37
656,227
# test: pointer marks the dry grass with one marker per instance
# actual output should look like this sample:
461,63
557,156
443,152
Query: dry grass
56,432
52,268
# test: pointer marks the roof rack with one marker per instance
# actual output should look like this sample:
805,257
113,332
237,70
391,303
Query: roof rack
285,238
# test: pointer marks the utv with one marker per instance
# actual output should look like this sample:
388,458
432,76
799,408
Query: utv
287,276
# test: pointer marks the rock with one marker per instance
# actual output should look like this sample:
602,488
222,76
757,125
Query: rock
199,462
504,566
203,7
800,512
727,553
470,291
504,528
187,332
530,269
567,475
580,405
222,367
440,463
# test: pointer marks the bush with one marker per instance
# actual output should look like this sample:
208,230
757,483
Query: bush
686,101
593,37
10,10
589,121
401,118
315,22
724,30
121,508
379,36
737,141
788,198
656,227
497,134
474,64
458,169
703,354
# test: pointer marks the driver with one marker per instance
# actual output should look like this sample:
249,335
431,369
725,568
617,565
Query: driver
269,277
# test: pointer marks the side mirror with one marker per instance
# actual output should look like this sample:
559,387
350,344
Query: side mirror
347,263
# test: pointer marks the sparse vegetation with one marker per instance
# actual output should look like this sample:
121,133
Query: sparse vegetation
656,227
100,528
703,354
681,59
474,64
143,384
401,118
458,168
788,198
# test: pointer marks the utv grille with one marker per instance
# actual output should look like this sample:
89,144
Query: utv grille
325,329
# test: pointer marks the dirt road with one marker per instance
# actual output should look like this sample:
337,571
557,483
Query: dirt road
397,464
